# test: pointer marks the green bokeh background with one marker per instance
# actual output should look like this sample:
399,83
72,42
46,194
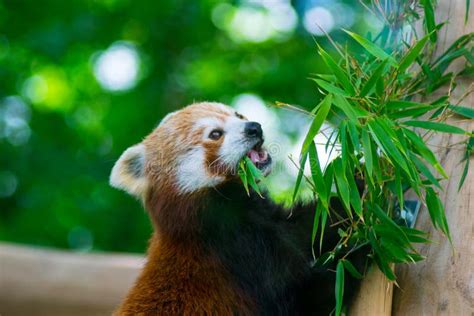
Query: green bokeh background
55,161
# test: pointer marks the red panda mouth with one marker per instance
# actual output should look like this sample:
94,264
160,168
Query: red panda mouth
259,156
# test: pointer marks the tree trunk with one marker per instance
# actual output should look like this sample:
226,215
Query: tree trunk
443,284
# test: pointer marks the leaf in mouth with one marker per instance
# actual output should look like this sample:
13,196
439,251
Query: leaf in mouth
250,175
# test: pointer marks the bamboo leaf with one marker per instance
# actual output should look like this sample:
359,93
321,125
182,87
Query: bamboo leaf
354,134
317,216
435,126
337,71
367,147
317,176
348,110
429,19
412,54
253,175
424,151
414,112
354,194
380,258
339,287
388,147
342,185
399,188
414,235
243,176
467,156
466,112
436,211
351,269
300,176
466,16
318,121
373,79
324,217
400,104
330,87
389,223
425,171
371,47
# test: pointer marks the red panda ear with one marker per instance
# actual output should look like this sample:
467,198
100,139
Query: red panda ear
128,173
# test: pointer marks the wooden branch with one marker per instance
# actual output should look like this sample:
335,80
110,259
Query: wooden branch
374,296
39,281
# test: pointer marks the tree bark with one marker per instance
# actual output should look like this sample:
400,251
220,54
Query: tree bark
443,284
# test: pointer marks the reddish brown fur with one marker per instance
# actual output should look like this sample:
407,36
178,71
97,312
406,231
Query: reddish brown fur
179,278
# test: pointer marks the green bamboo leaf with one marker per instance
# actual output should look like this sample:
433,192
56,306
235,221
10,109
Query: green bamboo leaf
337,71
342,184
393,105
354,134
435,126
424,151
380,257
339,287
351,269
466,15
344,143
367,147
300,176
425,171
318,121
436,211
385,143
371,47
394,251
399,188
317,176
467,155
354,194
412,54
324,217
414,112
389,223
243,176
330,87
429,19
415,235
464,174
253,175
379,71
317,216
386,231
466,112
347,108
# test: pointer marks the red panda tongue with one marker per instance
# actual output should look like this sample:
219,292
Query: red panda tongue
257,156
254,156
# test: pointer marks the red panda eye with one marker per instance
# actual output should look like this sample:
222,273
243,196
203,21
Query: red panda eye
215,134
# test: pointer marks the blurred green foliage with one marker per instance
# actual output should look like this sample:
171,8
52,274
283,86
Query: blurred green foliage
61,130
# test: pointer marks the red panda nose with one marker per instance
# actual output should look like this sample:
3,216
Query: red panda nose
253,129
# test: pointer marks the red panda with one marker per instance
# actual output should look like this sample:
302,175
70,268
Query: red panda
215,250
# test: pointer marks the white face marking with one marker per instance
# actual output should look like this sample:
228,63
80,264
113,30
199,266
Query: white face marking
209,124
235,145
191,173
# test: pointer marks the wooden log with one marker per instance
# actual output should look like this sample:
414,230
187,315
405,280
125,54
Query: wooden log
38,281
443,284
374,296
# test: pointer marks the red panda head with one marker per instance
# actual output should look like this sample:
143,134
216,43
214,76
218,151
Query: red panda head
193,149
